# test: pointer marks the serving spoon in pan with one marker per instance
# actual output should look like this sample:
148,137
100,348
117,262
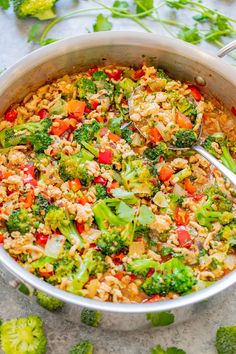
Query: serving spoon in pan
197,147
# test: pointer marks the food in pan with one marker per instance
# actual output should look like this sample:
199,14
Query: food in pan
95,202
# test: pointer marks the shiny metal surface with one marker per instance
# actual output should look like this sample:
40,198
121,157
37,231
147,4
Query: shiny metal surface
226,49
182,60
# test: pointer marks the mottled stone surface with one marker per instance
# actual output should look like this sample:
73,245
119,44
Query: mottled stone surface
63,329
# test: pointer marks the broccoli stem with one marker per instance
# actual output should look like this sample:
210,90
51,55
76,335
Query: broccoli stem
227,159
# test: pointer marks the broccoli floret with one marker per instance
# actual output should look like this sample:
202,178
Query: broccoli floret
112,243
220,142
73,166
184,138
162,75
87,132
22,133
186,107
226,340
91,318
117,232
41,9
62,268
171,350
217,208
20,221
83,347
99,76
137,177
114,125
156,152
101,192
228,233
126,134
23,335
40,141
86,87
97,262
141,266
41,206
172,276
48,302
56,218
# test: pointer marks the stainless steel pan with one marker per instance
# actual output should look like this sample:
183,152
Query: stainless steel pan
183,61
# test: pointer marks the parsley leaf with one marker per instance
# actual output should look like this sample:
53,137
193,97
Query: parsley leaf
159,319
146,216
171,350
125,212
143,5
34,33
102,24
121,6
5,4
176,4
190,35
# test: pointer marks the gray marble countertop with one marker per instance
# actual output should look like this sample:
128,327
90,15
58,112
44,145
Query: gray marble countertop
195,336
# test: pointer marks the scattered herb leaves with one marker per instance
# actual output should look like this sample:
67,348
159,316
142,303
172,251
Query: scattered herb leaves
102,24
5,4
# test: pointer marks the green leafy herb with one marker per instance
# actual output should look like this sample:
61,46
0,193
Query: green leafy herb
5,4
146,216
121,6
102,24
171,350
125,212
143,5
190,35
159,319
34,33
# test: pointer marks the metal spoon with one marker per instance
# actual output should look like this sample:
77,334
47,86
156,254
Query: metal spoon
225,171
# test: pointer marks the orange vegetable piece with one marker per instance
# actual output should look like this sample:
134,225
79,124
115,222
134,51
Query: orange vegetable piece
183,121
76,108
189,187
155,136
114,137
60,126
165,173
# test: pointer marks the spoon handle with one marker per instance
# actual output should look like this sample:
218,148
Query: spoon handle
226,172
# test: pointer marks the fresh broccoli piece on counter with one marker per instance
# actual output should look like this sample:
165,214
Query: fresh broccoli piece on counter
90,317
23,336
226,340
83,347
41,9
48,302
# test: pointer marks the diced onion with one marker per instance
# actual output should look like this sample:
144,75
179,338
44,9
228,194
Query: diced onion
230,261
160,200
54,246
178,190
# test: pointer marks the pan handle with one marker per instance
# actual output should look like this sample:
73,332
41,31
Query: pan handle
226,49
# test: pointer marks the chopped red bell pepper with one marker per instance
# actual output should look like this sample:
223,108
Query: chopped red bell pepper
75,184
11,116
29,200
195,93
181,216
184,237
92,70
165,173
233,110
28,169
139,73
83,200
183,121
118,258
41,239
43,113
114,74
87,109
31,180
46,273
80,227
100,180
150,272
60,127
113,185
94,104
133,277
198,196
1,239
189,187
105,157
119,275
154,298
155,136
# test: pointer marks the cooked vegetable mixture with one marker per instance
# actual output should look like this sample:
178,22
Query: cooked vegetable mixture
94,201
